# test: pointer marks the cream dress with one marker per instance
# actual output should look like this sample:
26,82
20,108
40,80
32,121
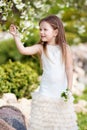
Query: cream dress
49,111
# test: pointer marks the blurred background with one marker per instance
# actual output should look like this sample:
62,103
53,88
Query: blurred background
21,74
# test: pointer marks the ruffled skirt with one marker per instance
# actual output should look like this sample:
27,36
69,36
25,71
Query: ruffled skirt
52,114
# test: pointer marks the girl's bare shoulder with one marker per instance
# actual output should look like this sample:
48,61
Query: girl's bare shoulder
40,47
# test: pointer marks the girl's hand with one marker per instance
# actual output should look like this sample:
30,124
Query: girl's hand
13,30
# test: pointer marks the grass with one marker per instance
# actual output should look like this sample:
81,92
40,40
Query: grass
82,121
83,96
82,117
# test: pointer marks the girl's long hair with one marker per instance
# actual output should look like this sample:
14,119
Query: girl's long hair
60,39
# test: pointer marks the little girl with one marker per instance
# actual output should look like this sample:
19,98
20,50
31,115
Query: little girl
49,110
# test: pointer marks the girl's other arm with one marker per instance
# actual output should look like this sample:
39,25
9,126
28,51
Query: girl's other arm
69,67
24,50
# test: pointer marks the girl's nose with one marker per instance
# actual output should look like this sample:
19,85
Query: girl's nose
41,32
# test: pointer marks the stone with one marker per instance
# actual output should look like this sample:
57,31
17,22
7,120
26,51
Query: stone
81,106
13,117
2,102
5,126
76,91
80,71
83,79
25,107
9,98
83,103
78,88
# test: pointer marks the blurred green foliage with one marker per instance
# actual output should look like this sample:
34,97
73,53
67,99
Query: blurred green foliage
83,96
25,14
18,78
8,51
82,121
82,117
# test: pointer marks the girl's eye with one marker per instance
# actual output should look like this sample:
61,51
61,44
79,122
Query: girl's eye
43,29
40,29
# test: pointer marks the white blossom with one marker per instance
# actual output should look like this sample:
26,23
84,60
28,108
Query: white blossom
81,29
20,6
4,18
17,1
2,3
38,4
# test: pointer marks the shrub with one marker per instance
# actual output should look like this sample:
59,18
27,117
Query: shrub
8,50
71,27
82,121
18,78
72,38
83,37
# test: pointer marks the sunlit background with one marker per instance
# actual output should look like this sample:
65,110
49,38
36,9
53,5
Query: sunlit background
19,74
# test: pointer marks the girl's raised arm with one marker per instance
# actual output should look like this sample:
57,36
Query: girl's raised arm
24,50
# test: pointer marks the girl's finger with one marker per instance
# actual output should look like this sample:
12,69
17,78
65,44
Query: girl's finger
13,26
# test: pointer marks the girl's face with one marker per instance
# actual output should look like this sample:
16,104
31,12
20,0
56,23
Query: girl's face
47,33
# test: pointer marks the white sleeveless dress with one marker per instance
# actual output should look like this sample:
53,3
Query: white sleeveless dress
49,111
